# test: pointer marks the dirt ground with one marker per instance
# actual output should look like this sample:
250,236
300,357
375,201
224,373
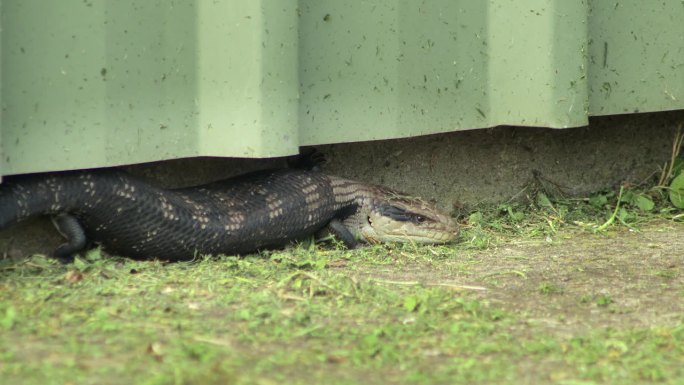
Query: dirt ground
566,284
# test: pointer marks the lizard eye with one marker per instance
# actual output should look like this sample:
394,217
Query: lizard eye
420,218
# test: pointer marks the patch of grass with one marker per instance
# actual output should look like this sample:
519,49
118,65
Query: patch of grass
534,214
635,356
143,321
604,300
600,300
297,316
667,274
548,288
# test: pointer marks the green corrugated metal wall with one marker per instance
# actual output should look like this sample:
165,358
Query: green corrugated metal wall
99,83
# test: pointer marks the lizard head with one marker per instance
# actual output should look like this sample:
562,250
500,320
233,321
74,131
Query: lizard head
399,218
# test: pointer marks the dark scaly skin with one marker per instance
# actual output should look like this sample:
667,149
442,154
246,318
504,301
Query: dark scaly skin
132,218
261,210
